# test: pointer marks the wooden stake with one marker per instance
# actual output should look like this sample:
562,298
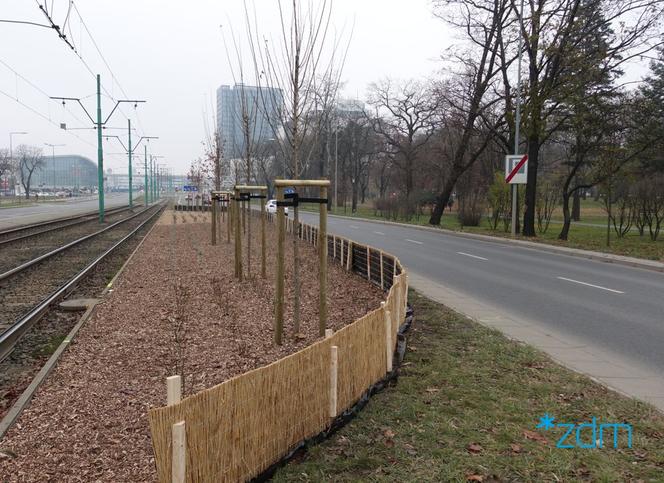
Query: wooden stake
334,247
334,367
369,264
238,236
328,333
382,279
214,221
350,255
322,260
179,462
229,219
263,238
342,252
281,240
173,390
388,337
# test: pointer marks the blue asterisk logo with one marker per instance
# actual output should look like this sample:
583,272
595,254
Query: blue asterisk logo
546,422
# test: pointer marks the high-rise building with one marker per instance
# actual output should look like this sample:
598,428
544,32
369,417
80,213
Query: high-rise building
263,106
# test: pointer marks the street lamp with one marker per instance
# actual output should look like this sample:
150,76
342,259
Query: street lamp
53,146
11,157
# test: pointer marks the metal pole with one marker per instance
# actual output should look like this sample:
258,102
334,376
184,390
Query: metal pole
100,154
131,194
145,181
517,123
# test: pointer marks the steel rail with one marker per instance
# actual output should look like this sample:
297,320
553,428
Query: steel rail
13,334
77,221
16,229
41,258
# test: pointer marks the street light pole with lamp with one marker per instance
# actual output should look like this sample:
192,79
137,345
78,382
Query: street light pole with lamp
53,146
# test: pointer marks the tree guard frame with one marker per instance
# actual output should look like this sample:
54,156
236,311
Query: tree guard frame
282,202
242,193
218,212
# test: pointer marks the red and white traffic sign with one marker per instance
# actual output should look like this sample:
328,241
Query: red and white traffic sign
516,168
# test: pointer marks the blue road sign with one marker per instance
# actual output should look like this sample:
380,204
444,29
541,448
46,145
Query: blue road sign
190,188
289,191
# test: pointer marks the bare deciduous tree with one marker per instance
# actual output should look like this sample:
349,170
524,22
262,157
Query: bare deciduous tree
30,159
471,96
292,68
407,118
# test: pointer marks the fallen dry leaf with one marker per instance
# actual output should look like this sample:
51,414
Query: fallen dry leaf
388,433
473,477
432,390
533,436
516,448
474,448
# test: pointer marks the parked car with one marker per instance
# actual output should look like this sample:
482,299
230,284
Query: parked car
271,207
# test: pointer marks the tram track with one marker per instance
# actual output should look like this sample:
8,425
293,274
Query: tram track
28,291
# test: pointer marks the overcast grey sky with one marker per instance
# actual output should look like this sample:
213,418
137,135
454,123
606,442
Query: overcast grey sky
172,55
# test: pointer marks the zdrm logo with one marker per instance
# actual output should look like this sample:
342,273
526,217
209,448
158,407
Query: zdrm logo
596,431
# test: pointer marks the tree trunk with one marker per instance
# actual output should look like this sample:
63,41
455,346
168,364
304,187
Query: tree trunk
567,219
354,199
576,206
442,200
531,187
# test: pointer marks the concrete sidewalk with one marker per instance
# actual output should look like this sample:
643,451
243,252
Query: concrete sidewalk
605,367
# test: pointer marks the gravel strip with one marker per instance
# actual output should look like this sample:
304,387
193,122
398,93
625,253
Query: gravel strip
89,421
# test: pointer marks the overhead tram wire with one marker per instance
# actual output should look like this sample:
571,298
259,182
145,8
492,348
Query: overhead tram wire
113,77
43,116
45,94
62,36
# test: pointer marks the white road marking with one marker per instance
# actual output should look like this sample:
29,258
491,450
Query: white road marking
473,256
379,233
414,241
354,226
589,284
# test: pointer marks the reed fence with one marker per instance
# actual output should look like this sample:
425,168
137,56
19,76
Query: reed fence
236,430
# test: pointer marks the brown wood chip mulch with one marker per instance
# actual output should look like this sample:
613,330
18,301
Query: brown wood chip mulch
88,422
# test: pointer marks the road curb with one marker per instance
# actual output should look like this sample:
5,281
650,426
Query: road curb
24,400
652,265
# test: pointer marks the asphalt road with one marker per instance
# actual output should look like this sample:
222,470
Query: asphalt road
612,307
10,217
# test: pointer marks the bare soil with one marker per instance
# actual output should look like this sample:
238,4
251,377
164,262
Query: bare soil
89,420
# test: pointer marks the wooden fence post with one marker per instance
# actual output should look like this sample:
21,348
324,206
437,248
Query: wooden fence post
382,278
173,390
342,252
334,247
329,333
350,256
388,336
369,264
179,461
334,367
